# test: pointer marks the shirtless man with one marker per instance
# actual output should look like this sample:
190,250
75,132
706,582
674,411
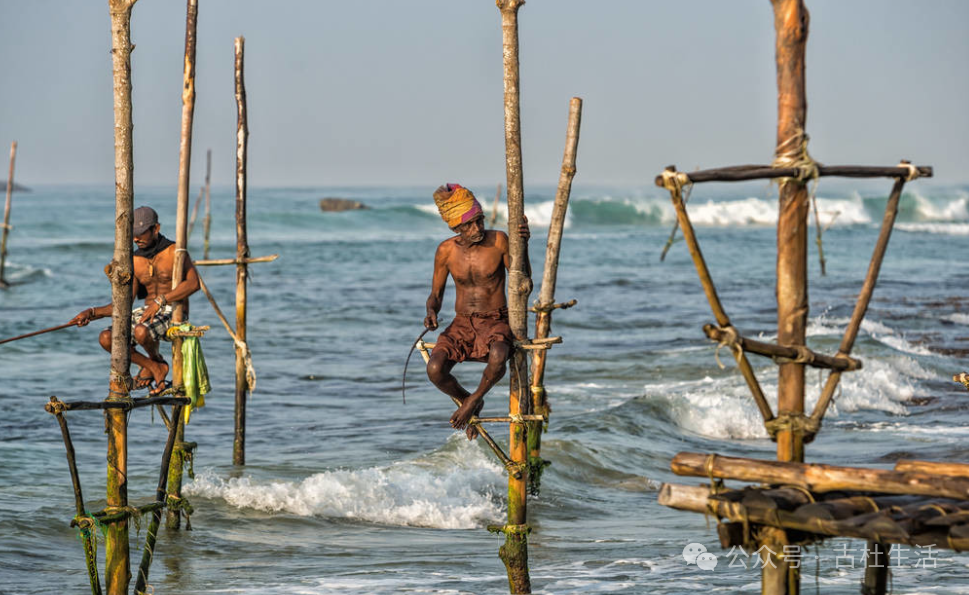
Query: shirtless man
476,259
154,261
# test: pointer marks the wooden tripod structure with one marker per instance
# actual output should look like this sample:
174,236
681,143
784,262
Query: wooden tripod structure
774,518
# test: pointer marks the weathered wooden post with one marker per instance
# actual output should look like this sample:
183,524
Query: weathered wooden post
203,192
514,553
494,208
242,253
546,297
120,271
6,216
173,519
791,26
207,220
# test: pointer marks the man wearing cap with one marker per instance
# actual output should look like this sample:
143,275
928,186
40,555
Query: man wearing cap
154,263
476,259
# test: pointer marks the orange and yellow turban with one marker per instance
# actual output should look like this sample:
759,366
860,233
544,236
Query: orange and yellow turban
456,204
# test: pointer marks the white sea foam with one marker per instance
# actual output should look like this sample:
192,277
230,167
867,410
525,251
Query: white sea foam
452,488
882,385
958,318
953,210
720,408
950,229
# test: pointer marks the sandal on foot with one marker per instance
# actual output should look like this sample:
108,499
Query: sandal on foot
160,388
141,382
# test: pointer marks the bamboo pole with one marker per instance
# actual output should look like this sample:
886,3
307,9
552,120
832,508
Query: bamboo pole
936,467
6,216
839,362
889,523
226,261
121,271
494,209
87,535
743,173
876,569
203,191
514,553
864,297
160,495
242,253
173,518
546,299
689,235
821,478
207,220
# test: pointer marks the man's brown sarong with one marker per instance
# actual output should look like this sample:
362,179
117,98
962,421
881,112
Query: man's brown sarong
470,337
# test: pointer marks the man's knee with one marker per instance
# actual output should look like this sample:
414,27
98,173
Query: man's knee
105,339
437,369
498,352
141,334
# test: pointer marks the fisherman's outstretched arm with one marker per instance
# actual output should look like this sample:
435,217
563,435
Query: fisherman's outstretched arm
438,282
86,316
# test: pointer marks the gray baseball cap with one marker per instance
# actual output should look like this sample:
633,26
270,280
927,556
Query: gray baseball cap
144,218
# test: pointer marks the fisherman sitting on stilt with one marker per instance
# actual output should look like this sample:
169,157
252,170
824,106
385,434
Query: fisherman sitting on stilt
154,263
476,259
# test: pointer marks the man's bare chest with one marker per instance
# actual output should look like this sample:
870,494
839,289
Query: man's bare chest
476,267
153,271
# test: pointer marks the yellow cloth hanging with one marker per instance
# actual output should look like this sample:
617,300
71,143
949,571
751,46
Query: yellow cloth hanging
195,375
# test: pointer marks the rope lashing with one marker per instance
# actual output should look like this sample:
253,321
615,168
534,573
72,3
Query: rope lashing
804,356
963,378
913,172
796,423
731,339
674,181
793,153
180,506
716,485
510,529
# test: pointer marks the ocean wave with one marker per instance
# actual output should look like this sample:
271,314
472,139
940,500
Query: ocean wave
452,488
958,318
916,212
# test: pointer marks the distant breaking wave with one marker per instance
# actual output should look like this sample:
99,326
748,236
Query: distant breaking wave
917,213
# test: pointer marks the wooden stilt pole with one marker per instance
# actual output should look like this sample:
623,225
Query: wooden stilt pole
207,220
864,297
514,553
173,518
546,298
121,271
791,26
161,491
494,209
195,211
6,216
876,569
203,193
87,533
242,253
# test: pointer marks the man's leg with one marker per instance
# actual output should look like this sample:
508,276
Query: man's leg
157,370
154,363
439,372
493,372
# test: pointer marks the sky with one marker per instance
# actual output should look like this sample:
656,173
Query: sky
390,92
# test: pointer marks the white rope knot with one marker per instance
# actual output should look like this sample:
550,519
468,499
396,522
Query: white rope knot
674,180
730,339
247,359
516,418
793,153
913,172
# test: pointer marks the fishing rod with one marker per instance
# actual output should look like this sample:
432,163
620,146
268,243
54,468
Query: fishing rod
46,330
407,362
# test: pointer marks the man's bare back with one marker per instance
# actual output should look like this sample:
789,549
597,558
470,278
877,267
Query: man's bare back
477,260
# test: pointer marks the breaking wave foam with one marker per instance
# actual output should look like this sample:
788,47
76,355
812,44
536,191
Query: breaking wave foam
452,488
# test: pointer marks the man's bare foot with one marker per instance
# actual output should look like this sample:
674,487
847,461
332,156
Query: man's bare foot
159,371
468,406
144,379
472,431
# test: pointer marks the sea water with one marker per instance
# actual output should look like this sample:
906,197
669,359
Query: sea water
348,490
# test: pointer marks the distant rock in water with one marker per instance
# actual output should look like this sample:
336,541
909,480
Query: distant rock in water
16,187
332,205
